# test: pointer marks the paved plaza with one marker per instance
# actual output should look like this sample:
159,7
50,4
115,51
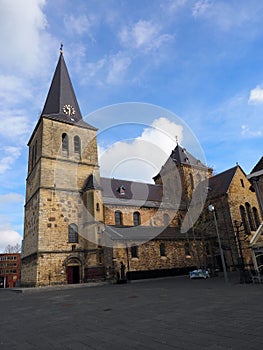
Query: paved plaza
168,313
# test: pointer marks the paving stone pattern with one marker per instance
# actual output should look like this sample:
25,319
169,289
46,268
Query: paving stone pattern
167,313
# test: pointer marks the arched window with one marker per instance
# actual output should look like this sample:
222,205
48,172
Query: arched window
73,235
77,145
207,248
244,219
162,249
136,218
198,178
256,216
35,155
179,221
134,251
187,251
166,219
118,217
249,215
32,156
65,143
191,181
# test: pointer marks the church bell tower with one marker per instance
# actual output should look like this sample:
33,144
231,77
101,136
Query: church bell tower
60,243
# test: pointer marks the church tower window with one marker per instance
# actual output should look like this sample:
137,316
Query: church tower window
32,156
65,144
77,145
73,235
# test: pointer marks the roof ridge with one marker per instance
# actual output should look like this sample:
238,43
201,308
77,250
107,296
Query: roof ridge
61,101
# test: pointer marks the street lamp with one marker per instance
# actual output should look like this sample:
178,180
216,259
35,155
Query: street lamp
212,209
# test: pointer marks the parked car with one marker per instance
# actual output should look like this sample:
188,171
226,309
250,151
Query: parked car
199,273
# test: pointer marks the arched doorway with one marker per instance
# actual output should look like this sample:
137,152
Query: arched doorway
73,271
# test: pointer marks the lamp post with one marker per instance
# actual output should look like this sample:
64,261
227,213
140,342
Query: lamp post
212,209
238,226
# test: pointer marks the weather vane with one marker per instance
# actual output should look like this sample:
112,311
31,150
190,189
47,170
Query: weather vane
61,48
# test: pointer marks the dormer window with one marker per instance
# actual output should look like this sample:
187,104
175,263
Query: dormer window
121,190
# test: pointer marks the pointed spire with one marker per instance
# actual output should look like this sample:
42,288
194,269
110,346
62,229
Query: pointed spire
61,102
181,156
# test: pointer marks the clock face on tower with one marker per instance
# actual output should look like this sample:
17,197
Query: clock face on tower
69,110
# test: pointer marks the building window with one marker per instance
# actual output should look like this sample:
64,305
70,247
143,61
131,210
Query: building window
207,248
250,218
97,206
134,251
118,218
256,216
121,190
65,143
162,249
179,221
244,219
166,219
77,145
187,251
73,236
35,155
242,182
191,181
32,156
136,218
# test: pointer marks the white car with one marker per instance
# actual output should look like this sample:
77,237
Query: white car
199,274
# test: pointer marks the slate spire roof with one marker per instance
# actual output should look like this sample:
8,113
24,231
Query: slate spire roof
61,102
181,156
219,184
258,166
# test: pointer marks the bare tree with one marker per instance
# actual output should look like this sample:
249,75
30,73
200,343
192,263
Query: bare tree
13,248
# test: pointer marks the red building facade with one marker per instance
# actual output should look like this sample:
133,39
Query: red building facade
9,270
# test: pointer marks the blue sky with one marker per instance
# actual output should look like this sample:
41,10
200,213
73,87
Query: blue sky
201,60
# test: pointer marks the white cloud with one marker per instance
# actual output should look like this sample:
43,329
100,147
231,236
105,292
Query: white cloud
256,95
143,35
13,89
78,25
201,7
118,66
8,236
22,35
12,126
11,198
229,15
172,6
11,155
246,131
141,158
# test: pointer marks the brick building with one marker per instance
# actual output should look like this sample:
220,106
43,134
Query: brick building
238,216
80,227
256,242
9,270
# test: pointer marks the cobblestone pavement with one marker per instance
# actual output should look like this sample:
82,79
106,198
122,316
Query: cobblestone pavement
168,313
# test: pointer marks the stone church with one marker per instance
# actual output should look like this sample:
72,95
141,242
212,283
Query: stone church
80,227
